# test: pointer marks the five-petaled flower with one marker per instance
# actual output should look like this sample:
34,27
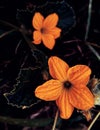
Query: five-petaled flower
68,87
45,29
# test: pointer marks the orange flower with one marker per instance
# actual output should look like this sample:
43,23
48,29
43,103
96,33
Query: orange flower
46,29
68,87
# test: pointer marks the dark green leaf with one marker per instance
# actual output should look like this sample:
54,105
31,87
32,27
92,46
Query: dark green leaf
26,122
23,93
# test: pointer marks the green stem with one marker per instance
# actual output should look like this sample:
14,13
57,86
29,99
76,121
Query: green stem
93,44
9,24
6,33
94,51
55,120
94,120
89,19
87,31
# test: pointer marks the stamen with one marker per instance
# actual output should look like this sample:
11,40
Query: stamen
43,30
67,84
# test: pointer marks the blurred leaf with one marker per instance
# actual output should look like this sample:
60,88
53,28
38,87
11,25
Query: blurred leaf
96,92
94,86
23,93
26,122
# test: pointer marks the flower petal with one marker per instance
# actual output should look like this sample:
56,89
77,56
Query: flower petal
36,42
58,68
55,32
79,74
49,91
48,40
64,106
50,21
37,37
37,21
81,98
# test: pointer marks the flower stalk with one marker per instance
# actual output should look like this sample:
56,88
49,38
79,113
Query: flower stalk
94,120
87,31
55,120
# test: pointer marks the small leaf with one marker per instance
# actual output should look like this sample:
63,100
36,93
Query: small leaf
23,93
87,114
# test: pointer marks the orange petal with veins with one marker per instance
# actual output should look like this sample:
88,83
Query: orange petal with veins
37,21
79,74
66,109
50,21
58,68
37,37
48,40
55,32
81,98
49,91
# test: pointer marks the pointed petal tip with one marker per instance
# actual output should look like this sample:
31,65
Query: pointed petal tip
66,115
55,15
36,42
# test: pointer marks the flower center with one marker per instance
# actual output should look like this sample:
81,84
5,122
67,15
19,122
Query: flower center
67,84
43,30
